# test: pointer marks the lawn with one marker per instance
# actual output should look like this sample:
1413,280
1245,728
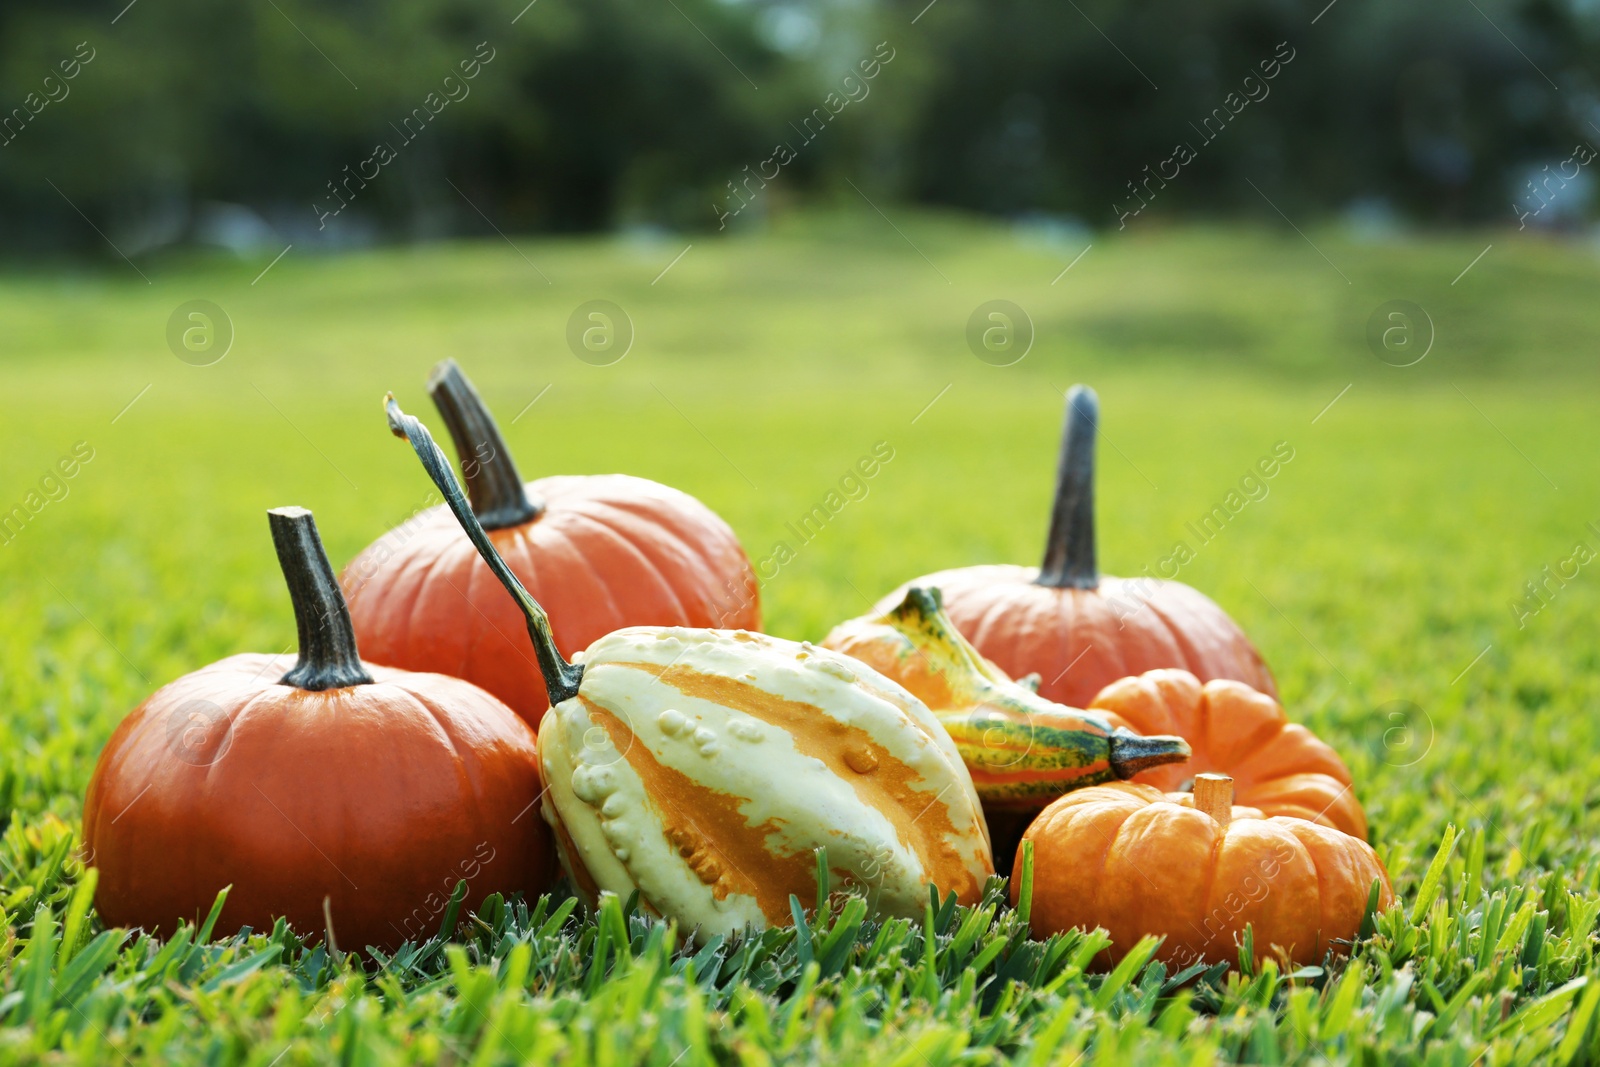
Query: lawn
1378,577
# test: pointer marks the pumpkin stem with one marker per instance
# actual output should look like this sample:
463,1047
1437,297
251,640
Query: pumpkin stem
1069,557
561,678
328,656
1213,794
499,498
1132,753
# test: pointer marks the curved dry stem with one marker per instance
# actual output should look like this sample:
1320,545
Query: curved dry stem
561,679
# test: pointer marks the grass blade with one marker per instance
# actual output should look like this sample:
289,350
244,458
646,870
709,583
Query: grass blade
1431,881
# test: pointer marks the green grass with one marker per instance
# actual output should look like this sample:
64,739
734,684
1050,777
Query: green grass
1376,577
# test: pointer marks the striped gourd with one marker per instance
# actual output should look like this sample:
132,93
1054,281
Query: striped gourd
704,768
1023,751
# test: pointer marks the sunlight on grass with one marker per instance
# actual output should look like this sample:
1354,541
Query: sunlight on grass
1378,576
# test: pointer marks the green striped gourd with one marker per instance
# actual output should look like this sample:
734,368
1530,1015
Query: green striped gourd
703,769
1023,751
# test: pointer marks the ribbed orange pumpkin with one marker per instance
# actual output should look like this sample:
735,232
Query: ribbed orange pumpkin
374,790
1277,766
602,551
1135,861
1079,630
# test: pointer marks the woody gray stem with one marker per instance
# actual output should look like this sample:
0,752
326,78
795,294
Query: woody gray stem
499,498
1069,553
561,679
328,655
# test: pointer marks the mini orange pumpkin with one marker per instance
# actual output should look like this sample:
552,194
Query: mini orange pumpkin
339,791
1135,861
603,551
1277,766
1079,630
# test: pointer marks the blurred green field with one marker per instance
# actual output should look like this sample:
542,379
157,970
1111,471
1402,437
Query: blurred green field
1377,576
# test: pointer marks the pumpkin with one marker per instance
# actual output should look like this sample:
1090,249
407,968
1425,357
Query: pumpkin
604,551
1196,870
1022,750
703,768
340,796
1277,766
1078,629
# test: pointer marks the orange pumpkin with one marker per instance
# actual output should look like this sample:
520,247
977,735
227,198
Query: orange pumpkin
602,551
1196,870
1075,628
338,793
1277,766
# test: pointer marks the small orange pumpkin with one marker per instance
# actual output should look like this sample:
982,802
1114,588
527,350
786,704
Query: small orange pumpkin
1196,870
1277,766
1075,628
603,551
338,791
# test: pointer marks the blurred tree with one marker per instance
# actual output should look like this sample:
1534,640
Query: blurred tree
588,113
1430,106
577,107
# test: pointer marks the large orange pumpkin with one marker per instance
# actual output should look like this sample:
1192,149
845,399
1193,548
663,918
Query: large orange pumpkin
603,551
337,792
1077,629
1196,870
1278,766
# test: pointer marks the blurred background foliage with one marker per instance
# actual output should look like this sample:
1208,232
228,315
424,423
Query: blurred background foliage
204,123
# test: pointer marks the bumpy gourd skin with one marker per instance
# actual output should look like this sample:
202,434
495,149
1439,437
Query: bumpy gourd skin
703,768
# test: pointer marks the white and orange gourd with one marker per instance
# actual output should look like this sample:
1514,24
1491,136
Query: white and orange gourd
705,768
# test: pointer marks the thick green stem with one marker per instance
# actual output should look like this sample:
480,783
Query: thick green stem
1069,555
561,678
499,498
328,656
